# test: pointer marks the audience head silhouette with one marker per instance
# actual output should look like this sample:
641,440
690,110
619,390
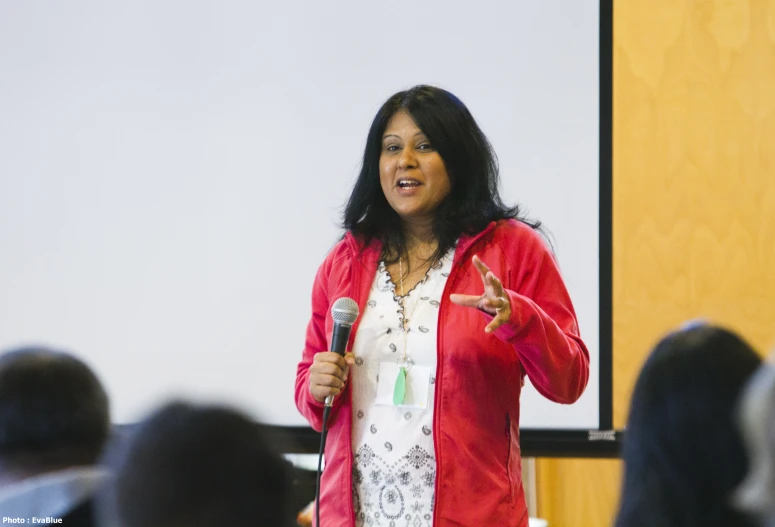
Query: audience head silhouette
54,422
196,466
682,452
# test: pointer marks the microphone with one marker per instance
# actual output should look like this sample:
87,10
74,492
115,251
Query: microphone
344,312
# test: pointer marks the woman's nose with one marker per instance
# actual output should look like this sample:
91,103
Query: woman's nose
407,159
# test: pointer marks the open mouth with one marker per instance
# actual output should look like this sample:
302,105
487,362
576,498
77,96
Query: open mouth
408,183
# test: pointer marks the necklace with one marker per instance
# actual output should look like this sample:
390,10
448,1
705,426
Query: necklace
403,295
399,389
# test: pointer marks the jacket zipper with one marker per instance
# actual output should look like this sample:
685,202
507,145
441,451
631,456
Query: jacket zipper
354,288
508,456
436,390
456,263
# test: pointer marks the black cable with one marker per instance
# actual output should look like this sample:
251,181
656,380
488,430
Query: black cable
323,434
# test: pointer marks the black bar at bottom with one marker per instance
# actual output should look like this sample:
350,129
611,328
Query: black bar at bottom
533,443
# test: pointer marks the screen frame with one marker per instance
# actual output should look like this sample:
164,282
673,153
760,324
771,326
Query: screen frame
603,442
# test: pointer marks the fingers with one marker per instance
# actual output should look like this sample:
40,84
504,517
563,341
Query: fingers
494,300
491,305
482,268
325,381
465,300
480,265
328,374
326,359
496,322
328,368
349,359
495,283
497,304
321,387
502,306
488,278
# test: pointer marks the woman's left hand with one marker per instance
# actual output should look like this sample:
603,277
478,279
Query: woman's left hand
494,300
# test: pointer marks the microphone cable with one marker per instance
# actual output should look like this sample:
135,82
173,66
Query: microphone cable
344,312
323,433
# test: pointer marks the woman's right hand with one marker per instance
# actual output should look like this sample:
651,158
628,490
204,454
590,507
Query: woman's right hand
328,374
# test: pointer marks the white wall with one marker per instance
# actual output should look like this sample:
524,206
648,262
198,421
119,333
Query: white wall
172,172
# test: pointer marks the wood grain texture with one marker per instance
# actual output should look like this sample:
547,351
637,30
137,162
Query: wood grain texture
577,492
694,174
694,201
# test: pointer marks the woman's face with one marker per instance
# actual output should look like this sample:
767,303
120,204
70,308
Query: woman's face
411,171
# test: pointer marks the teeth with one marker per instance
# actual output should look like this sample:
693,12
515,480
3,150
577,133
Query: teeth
408,183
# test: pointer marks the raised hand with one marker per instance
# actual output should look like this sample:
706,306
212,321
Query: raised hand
493,300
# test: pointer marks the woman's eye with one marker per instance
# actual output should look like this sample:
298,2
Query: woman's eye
424,146
391,148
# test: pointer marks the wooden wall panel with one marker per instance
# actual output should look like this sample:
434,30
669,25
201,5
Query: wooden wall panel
577,492
694,200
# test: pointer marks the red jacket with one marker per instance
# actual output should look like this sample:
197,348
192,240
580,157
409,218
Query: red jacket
478,376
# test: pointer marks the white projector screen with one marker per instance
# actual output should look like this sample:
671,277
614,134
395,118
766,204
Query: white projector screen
172,173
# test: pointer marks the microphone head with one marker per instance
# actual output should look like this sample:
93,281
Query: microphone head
345,311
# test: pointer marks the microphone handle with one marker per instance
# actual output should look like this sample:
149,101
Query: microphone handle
339,340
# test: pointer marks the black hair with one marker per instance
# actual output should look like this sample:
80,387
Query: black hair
682,452
472,166
200,466
53,410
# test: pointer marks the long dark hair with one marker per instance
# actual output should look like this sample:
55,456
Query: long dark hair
473,201
683,454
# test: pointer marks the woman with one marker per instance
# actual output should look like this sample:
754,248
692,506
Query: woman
683,455
459,300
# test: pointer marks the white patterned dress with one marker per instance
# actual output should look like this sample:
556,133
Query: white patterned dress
394,466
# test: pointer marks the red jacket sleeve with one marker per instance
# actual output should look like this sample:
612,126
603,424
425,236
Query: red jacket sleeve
543,327
316,341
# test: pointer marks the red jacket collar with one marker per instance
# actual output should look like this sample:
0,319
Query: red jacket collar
373,251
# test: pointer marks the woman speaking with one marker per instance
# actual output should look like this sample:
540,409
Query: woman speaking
460,298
